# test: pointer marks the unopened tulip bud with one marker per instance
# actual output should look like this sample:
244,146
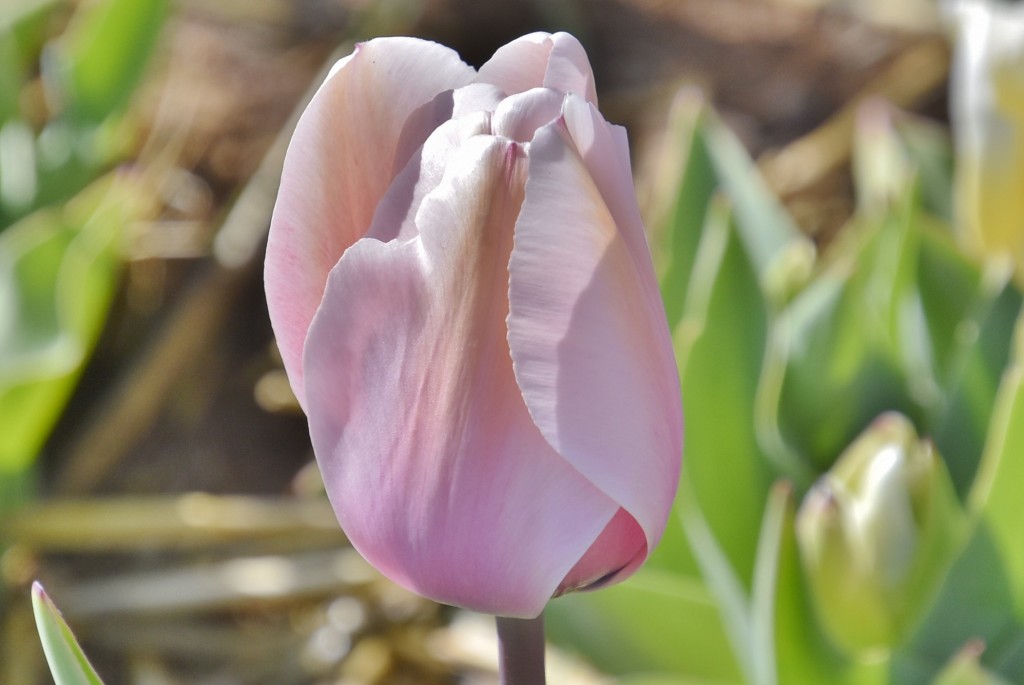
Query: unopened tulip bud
460,285
874,535
987,106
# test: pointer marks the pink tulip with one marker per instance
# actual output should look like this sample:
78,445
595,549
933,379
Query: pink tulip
460,284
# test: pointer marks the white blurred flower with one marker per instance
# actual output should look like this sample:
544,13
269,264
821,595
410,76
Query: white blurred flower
987,108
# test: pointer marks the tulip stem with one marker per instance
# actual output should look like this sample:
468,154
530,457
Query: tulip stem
521,650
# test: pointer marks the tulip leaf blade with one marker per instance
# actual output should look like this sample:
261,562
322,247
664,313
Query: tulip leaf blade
99,60
58,271
977,356
983,593
849,347
720,345
697,182
68,663
656,622
996,493
782,256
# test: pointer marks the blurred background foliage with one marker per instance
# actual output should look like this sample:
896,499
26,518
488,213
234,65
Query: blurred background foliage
849,351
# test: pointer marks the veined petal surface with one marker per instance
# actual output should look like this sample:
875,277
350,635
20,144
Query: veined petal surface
431,460
364,123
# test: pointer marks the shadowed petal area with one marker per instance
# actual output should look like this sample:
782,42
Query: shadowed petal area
431,460
618,551
588,338
555,61
362,126
395,217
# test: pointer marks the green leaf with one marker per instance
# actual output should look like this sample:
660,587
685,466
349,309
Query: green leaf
656,622
58,271
996,494
782,257
983,594
27,20
975,602
975,359
68,663
12,75
848,347
97,63
720,346
665,679
714,159
694,184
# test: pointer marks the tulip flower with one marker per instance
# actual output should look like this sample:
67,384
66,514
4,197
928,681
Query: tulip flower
461,288
987,107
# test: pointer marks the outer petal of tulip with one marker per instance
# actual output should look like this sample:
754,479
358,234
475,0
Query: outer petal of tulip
362,126
555,61
431,460
587,332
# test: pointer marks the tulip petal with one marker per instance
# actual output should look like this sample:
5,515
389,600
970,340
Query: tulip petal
476,97
588,336
368,118
555,61
430,458
623,541
395,217
519,116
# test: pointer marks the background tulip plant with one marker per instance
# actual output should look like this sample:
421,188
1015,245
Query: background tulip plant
494,372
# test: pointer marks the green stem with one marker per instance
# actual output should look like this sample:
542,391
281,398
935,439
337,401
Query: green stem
521,650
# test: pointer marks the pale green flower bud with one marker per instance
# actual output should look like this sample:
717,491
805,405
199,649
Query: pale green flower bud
875,534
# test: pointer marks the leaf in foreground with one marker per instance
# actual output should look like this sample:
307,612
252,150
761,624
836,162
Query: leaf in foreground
68,663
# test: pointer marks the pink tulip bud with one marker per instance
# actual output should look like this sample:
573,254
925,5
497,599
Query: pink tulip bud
461,288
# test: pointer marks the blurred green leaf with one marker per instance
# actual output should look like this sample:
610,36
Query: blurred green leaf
983,595
975,602
848,346
68,663
719,347
697,182
714,159
58,270
996,494
94,67
782,257
26,21
656,622
12,74
665,679
973,338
